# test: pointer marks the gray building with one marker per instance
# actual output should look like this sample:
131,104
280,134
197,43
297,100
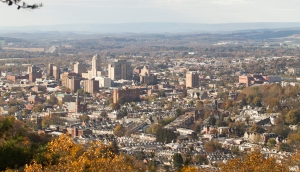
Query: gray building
120,69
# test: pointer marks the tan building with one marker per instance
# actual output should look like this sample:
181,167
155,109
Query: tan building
66,75
128,94
91,86
192,79
145,71
15,78
146,77
56,72
79,68
120,69
72,83
50,69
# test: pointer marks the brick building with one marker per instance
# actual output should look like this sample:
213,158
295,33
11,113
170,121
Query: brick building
129,94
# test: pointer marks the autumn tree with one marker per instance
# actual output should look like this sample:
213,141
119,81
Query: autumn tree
63,154
199,105
38,108
84,118
18,143
177,161
12,110
271,143
115,106
253,162
165,135
52,100
200,159
256,128
119,130
212,146
293,117
152,129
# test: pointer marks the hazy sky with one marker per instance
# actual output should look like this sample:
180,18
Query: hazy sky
128,11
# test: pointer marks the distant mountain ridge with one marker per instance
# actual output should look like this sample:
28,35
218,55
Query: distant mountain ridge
152,27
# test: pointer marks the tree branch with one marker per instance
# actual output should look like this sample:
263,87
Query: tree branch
21,4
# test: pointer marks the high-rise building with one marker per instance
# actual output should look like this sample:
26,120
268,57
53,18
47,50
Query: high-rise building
146,77
128,94
50,69
32,69
56,72
34,73
72,83
145,71
120,69
104,81
96,65
91,86
65,75
79,68
192,79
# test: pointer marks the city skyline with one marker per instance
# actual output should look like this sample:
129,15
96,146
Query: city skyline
56,12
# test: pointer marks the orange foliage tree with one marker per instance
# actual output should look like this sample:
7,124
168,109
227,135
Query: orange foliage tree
64,155
254,162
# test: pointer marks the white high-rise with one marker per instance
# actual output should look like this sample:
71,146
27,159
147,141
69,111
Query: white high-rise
96,65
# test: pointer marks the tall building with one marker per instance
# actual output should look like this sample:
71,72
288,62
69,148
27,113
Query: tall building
104,81
145,71
120,69
50,69
80,107
56,72
72,83
65,75
192,79
96,65
34,73
91,86
129,94
79,68
146,77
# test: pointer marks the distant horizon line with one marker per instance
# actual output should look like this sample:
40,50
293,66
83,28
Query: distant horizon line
267,22
153,27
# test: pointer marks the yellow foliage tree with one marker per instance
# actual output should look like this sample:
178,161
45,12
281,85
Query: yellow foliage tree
64,155
254,162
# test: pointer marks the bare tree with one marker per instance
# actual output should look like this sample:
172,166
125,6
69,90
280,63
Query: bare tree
21,4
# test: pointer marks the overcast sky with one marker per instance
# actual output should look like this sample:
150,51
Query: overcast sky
129,11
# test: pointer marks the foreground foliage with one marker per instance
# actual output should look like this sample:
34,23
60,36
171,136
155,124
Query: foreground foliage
64,155
18,144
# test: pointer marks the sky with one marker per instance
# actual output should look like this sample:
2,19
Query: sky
55,12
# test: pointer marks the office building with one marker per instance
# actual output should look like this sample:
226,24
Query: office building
33,73
91,86
50,69
192,79
72,83
56,72
128,94
79,68
146,77
96,65
120,69
104,81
